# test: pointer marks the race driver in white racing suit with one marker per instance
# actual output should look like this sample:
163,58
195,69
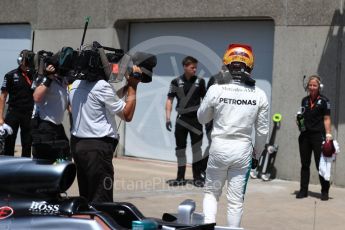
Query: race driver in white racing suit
236,108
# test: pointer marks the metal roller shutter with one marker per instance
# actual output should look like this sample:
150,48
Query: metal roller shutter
146,136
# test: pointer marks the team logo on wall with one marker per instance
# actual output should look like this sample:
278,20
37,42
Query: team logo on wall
5,212
43,208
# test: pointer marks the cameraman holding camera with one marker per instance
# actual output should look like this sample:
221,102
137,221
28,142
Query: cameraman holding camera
17,85
94,105
49,139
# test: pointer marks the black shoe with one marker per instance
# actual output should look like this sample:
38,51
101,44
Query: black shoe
301,194
199,183
203,175
324,196
177,182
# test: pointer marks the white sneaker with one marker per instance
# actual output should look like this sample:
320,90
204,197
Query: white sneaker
253,174
266,177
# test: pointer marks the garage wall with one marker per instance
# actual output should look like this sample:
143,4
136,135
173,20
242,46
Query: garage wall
13,39
171,42
303,55
308,38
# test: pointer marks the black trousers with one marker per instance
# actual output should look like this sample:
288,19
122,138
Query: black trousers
191,126
49,141
95,171
16,119
308,143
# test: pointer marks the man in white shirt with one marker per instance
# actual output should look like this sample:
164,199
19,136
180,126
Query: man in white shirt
94,104
49,140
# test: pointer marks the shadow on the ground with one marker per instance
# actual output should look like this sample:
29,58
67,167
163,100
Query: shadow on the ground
311,194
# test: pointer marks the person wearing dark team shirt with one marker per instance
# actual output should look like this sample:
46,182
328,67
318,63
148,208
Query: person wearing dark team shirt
317,128
17,87
189,90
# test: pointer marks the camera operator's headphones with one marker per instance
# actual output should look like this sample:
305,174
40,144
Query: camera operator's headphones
314,77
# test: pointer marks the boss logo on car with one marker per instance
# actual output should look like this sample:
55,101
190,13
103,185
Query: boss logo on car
5,212
43,207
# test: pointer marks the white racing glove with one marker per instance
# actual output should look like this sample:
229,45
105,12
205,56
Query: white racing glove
5,128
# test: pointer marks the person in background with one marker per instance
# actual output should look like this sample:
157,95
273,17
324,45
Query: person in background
189,90
17,88
316,127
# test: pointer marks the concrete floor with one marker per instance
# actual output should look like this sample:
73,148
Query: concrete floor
268,205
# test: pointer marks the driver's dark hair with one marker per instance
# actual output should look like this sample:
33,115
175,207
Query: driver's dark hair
189,60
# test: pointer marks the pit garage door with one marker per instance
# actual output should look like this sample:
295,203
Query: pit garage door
13,39
146,136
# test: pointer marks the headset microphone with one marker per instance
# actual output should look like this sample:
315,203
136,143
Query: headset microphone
313,77
305,86
19,60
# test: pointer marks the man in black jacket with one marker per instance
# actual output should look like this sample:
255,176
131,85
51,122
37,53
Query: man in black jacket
17,87
189,90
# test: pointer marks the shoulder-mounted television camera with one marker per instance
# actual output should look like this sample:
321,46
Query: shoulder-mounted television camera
95,62
63,61
113,64
92,63
146,62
